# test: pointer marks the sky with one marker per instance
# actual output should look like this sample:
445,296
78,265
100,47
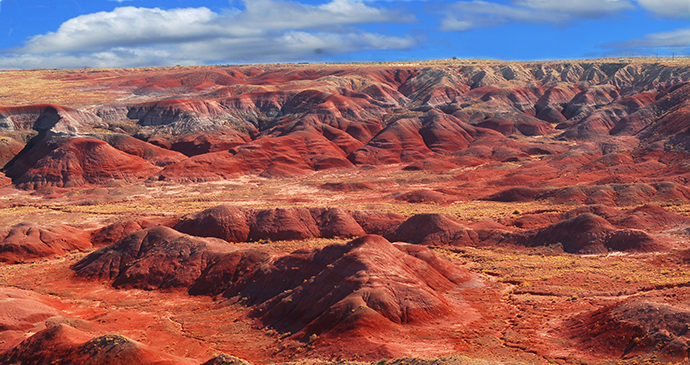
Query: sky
138,33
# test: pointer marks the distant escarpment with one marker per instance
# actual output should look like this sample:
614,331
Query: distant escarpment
608,120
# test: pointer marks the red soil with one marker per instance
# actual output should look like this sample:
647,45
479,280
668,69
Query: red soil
21,310
367,287
29,241
588,233
155,155
113,233
64,344
424,196
153,258
70,162
633,328
199,144
604,142
434,229
240,225
348,186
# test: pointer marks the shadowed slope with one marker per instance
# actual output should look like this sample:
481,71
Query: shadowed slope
633,328
235,224
588,234
153,258
364,287
63,161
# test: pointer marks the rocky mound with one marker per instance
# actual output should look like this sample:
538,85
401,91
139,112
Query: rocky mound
413,139
283,224
64,161
154,258
201,143
664,120
375,222
611,194
63,344
281,122
171,111
114,232
346,186
433,229
364,287
536,220
224,359
154,154
348,290
517,124
235,224
424,196
587,234
648,217
292,154
634,328
30,241
517,194
431,164
226,222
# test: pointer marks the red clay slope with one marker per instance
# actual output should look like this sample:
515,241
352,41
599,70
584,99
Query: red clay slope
29,241
632,328
367,286
66,345
235,224
69,162
282,121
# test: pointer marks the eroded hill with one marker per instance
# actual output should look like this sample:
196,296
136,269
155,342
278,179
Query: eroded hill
480,212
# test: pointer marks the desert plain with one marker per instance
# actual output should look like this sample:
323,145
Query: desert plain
439,212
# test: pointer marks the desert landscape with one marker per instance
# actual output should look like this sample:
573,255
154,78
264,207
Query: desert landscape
441,212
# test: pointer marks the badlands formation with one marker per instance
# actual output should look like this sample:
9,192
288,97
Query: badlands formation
446,212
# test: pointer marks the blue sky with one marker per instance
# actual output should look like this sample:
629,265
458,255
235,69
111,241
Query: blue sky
132,33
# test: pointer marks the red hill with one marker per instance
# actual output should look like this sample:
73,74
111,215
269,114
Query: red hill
69,162
30,241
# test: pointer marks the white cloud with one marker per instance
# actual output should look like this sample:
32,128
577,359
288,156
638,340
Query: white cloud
475,14
578,8
667,8
127,26
677,39
266,30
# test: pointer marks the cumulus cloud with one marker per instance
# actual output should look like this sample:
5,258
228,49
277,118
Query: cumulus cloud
667,8
476,14
265,31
